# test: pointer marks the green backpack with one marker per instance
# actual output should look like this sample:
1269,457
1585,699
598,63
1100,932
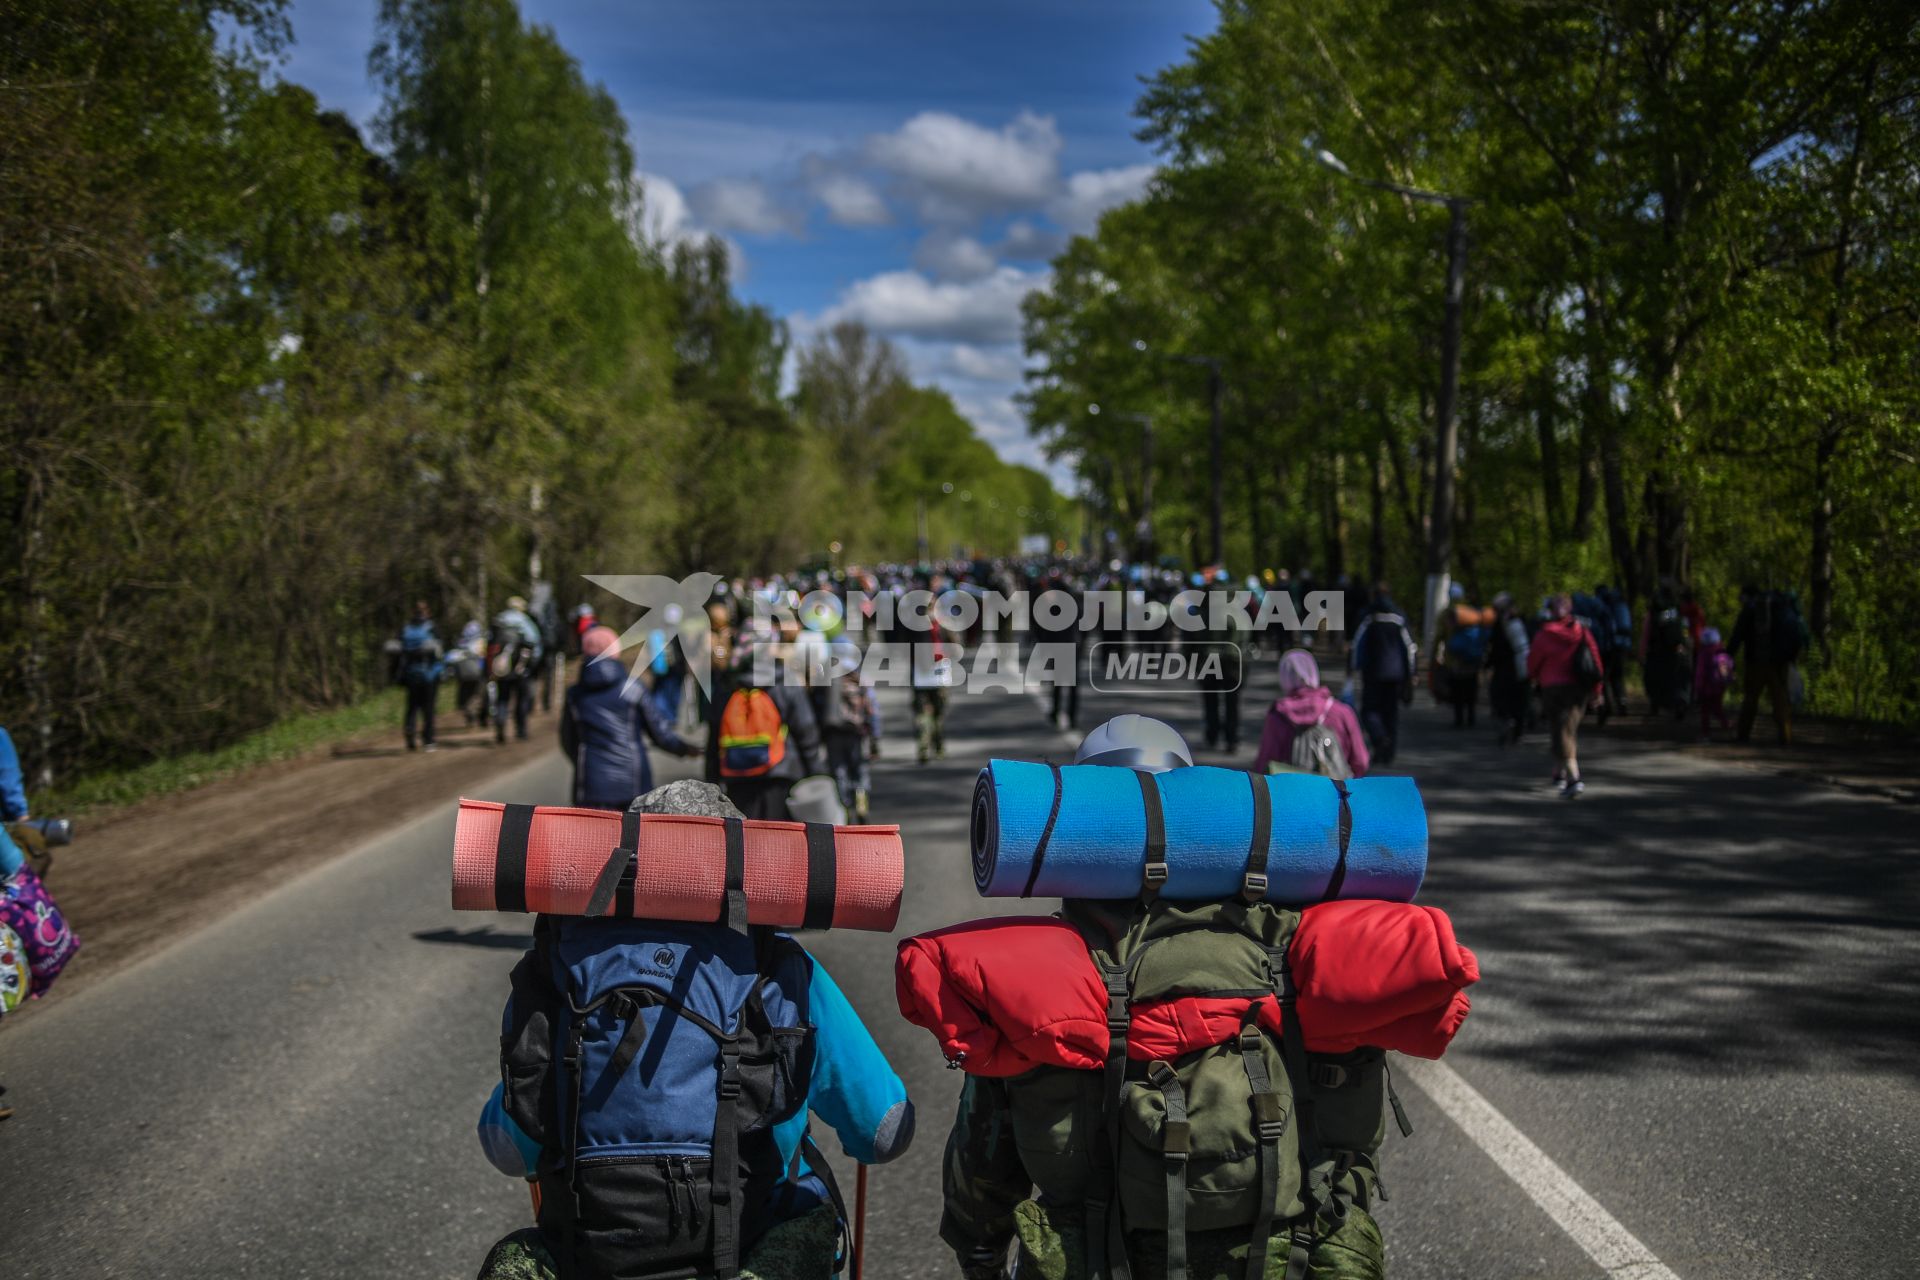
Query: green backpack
1253,1136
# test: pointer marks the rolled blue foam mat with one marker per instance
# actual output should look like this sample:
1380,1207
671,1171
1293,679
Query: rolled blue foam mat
1096,834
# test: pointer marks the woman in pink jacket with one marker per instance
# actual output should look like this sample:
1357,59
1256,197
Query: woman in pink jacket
1552,665
1304,701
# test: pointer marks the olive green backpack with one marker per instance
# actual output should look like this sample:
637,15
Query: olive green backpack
1255,1134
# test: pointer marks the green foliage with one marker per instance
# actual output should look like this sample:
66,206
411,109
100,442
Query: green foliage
261,385
1690,316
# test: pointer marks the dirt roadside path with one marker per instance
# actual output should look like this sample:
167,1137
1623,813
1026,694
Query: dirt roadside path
139,877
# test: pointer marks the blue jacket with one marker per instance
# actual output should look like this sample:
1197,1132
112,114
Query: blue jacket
13,805
853,1089
604,726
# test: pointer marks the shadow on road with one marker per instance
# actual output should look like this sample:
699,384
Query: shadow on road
483,936
1695,915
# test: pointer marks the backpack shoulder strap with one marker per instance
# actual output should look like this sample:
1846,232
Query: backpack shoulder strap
1106,1231
1293,1052
1176,1143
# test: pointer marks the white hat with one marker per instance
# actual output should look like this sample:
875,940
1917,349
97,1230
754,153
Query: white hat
1135,742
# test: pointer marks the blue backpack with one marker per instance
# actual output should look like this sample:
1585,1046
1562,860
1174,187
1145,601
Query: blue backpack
651,1061
419,654
1468,644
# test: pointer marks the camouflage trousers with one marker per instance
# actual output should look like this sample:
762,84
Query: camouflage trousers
1053,1247
801,1248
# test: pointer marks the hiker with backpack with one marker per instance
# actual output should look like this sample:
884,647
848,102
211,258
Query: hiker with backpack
1507,647
1462,654
1088,1173
513,656
1227,633
1774,635
1564,663
1307,729
1712,676
1665,654
680,1146
467,660
1384,655
849,719
760,740
1619,646
417,670
605,721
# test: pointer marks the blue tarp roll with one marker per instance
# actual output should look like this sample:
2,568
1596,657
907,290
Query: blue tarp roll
1098,844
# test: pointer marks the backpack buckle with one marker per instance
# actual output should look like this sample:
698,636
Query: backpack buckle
1330,1075
1176,1140
1254,887
1160,1075
1250,1038
1153,876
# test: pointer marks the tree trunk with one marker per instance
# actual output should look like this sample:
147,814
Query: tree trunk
1377,534
1552,492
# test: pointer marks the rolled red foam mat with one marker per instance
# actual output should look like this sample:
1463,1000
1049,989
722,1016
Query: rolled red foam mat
794,874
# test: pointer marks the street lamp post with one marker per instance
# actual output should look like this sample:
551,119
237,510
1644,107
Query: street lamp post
1446,425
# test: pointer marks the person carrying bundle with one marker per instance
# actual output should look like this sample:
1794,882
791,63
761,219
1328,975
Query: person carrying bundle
1196,1135
656,1078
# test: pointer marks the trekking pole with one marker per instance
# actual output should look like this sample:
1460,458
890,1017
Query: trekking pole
859,1220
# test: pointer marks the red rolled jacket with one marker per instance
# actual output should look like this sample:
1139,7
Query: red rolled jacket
1005,995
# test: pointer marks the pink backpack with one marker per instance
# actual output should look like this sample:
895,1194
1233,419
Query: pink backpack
29,912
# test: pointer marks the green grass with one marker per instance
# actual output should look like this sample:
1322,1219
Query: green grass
293,736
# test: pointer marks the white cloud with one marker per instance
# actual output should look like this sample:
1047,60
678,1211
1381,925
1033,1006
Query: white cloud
986,364
741,204
664,215
851,200
1025,242
666,221
907,303
955,168
954,257
1091,192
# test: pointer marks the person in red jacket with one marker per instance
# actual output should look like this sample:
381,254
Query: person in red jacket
1554,666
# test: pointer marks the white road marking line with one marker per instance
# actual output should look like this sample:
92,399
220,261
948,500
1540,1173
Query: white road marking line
1619,1253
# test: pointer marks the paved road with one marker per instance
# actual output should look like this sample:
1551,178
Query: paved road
1699,1004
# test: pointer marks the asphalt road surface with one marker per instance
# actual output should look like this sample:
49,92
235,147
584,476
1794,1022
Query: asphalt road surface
1694,1052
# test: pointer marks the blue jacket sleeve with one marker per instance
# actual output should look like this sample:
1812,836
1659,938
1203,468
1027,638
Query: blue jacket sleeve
854,1088
13,790
654,725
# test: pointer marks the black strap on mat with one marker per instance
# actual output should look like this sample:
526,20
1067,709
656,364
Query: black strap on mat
617,872
822,874
1253,887
1153,872
1339,876
510,858
733,913
1046,834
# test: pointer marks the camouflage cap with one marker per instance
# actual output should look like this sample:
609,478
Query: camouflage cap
688,798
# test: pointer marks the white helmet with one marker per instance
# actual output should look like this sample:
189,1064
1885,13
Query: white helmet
1135,742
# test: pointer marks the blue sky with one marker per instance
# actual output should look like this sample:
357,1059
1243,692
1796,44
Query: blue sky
910,164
